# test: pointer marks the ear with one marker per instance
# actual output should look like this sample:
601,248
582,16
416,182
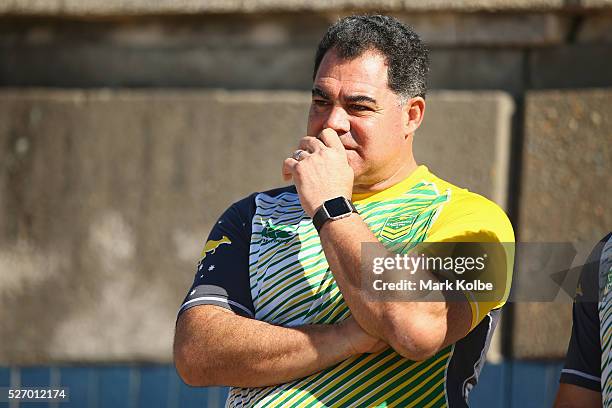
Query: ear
413,112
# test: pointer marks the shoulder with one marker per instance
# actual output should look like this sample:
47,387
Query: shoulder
235,225
248,204
463,200
286,193
465,211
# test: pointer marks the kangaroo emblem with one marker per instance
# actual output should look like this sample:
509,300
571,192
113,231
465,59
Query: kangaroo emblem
212,245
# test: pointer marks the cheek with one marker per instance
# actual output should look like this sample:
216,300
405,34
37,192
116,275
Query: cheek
367,136
393,123
378,142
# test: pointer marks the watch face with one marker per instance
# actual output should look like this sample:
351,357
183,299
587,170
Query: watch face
337,207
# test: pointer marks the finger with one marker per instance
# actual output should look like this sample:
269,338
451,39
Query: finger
288,168
330,138
311,144
300,154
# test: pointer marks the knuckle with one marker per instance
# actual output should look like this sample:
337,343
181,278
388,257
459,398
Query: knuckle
327,132
311,142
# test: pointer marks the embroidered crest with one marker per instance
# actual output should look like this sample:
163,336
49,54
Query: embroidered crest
397,227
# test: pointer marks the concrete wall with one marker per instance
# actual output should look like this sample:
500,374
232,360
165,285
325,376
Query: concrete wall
565,197
107,202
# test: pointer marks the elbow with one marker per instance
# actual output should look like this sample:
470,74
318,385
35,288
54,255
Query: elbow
186,373
415,340
191,373
411,349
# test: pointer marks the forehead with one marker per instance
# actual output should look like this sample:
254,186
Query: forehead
366,73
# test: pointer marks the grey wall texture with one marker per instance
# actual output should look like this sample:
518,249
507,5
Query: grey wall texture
566,190
126,127
107,202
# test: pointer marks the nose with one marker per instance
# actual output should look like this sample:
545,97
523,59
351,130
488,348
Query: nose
338,120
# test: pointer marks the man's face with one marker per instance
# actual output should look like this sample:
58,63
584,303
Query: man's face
352,98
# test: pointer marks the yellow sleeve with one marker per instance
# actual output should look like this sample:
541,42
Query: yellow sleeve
469,217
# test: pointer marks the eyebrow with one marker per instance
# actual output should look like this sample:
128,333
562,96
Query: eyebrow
352,98
319,92
360,98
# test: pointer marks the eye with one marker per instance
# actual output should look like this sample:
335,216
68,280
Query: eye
360,108
320,102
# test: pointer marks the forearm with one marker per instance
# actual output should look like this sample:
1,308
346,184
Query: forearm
343,254
221,348
414,327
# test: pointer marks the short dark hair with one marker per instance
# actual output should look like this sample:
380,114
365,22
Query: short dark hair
406,55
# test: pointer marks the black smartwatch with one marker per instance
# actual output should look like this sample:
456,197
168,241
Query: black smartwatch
333,209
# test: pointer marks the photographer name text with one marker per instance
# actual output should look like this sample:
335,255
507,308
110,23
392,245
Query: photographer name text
428,285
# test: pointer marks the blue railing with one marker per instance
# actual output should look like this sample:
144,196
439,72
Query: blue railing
512,384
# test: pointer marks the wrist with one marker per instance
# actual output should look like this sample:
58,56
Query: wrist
345,335
332,210
316,205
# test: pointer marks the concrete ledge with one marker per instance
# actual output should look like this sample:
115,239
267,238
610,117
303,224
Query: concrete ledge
596,3
487,29
106,199
135,7
256,52
596,29
584,66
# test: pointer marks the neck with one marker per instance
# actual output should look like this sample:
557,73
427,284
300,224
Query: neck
400,174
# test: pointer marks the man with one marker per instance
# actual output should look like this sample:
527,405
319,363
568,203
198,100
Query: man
586,379
277,310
